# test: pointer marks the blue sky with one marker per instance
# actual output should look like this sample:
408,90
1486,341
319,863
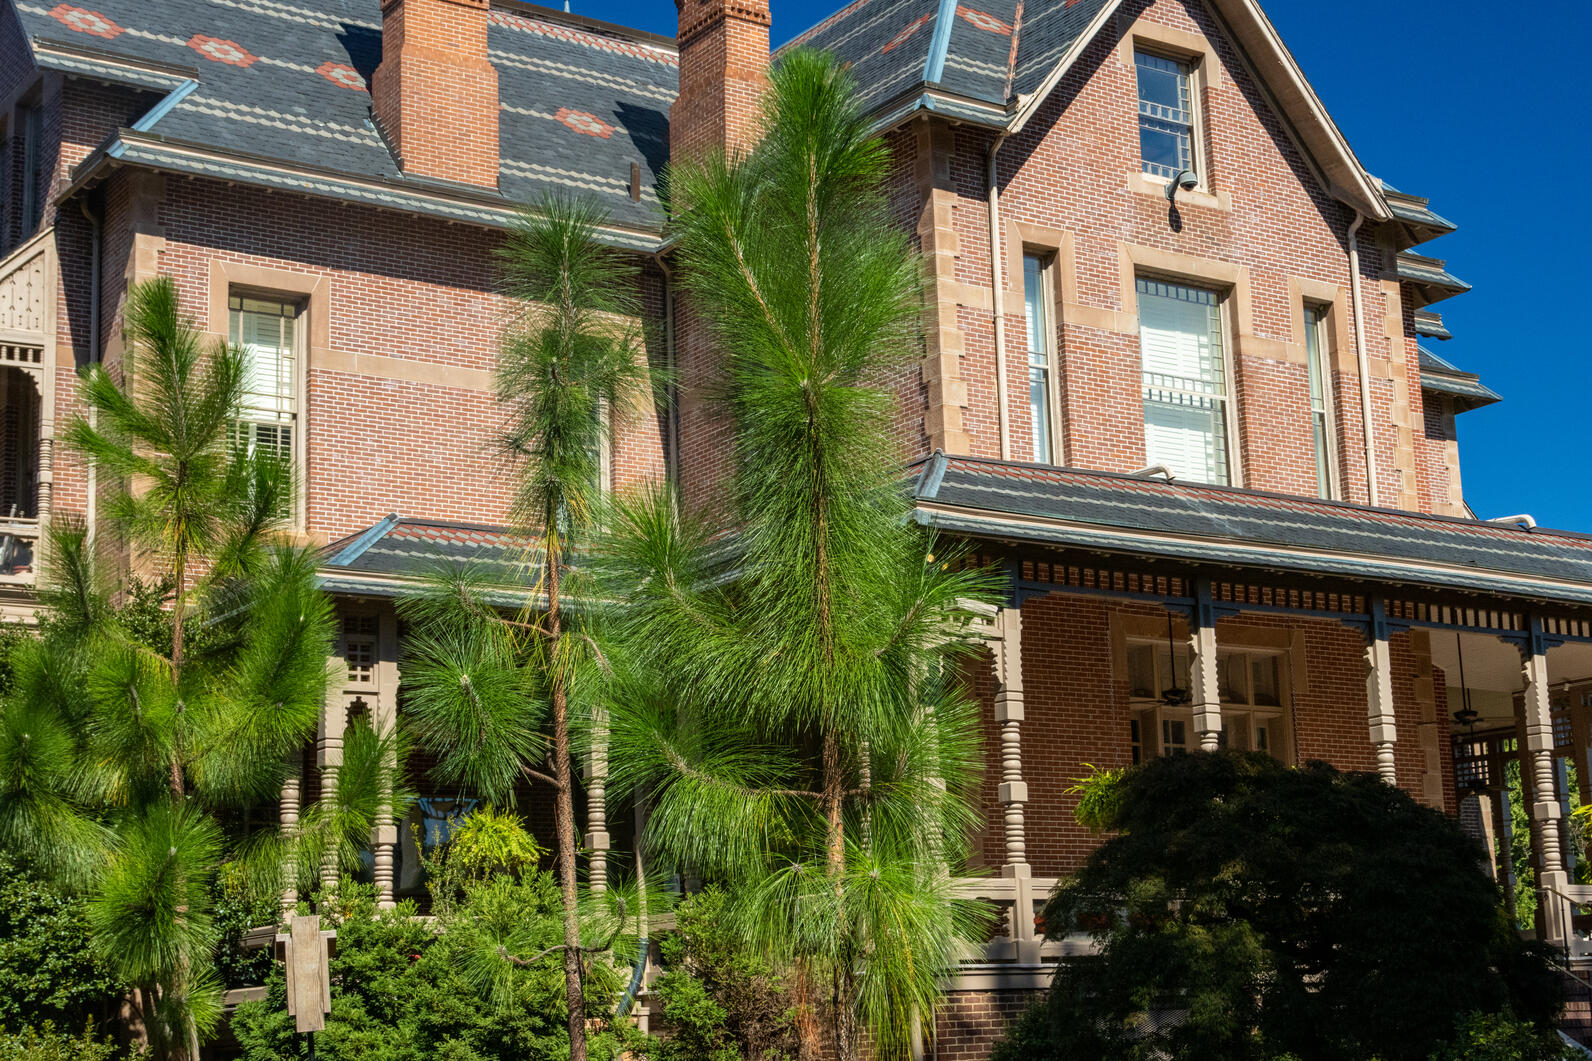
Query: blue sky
1483,108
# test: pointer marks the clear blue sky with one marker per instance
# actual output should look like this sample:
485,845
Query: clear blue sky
1482,107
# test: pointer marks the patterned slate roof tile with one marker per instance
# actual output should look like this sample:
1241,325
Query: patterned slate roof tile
1226,521
287,81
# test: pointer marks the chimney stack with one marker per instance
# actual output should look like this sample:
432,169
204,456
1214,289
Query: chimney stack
435,93
723,71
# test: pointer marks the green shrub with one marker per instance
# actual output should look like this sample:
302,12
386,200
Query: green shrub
1493,1037
403,989
46,1044
490,842
1246,910
719,1001
47,971
237,910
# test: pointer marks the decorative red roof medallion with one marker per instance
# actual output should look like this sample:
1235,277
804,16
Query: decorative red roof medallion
341,74
983,20
582,122
221,51
86,21
911,28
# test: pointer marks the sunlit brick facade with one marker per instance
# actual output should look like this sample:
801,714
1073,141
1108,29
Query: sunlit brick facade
1149,411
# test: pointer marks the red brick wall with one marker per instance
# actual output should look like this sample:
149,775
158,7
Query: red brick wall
1070,169
724,58
423,291
970,1023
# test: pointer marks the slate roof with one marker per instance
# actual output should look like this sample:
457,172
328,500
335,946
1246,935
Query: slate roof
378,560
284,82
1188,522
980,50
1442,376
1430,325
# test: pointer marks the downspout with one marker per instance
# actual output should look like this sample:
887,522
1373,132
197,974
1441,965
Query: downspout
997,272
96,245
1361,360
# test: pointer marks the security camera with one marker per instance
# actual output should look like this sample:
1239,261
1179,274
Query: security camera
1185,179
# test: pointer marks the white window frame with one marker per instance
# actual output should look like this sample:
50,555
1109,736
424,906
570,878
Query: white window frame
1041,361
1323,406
1190,70
1152,722
297,448
1230,451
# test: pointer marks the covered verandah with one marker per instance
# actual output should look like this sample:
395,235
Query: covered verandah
1145,617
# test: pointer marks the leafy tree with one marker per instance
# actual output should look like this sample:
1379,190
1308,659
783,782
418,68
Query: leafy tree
124,739
483,686
405,990
46,964
1246,909
720,1002
792,723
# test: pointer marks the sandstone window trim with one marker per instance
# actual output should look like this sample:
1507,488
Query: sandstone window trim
1203,389
312,293
1317,330
1193,51
270,327
1039,303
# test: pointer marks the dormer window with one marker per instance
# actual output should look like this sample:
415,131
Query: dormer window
1166,115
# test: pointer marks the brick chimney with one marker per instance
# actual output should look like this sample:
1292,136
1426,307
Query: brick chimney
435,94
723,70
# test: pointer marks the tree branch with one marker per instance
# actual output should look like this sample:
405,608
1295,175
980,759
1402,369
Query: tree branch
606,945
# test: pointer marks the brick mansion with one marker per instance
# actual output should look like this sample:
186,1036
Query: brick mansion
1178,376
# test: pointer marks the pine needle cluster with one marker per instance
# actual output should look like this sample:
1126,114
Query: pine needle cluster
793,716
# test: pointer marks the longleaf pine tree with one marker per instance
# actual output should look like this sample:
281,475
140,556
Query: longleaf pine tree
794,719
497,698
122,747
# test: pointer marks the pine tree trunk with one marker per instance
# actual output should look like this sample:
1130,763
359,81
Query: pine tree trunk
180,572
564,815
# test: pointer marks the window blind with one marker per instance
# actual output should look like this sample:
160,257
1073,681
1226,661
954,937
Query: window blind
1185,385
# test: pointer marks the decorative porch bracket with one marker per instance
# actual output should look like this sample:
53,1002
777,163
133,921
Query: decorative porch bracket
1543,764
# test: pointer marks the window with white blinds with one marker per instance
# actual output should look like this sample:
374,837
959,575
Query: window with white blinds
267,331
1185,380
1320,403
1035,300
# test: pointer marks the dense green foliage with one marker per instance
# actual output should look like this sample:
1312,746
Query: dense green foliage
47,969
46,1044
125,744
718,1000
404,989
500,700
792,727
1247,910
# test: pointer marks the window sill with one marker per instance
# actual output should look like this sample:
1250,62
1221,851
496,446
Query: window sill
1141,183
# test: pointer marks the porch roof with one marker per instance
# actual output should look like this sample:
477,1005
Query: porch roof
1123,514
395,555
